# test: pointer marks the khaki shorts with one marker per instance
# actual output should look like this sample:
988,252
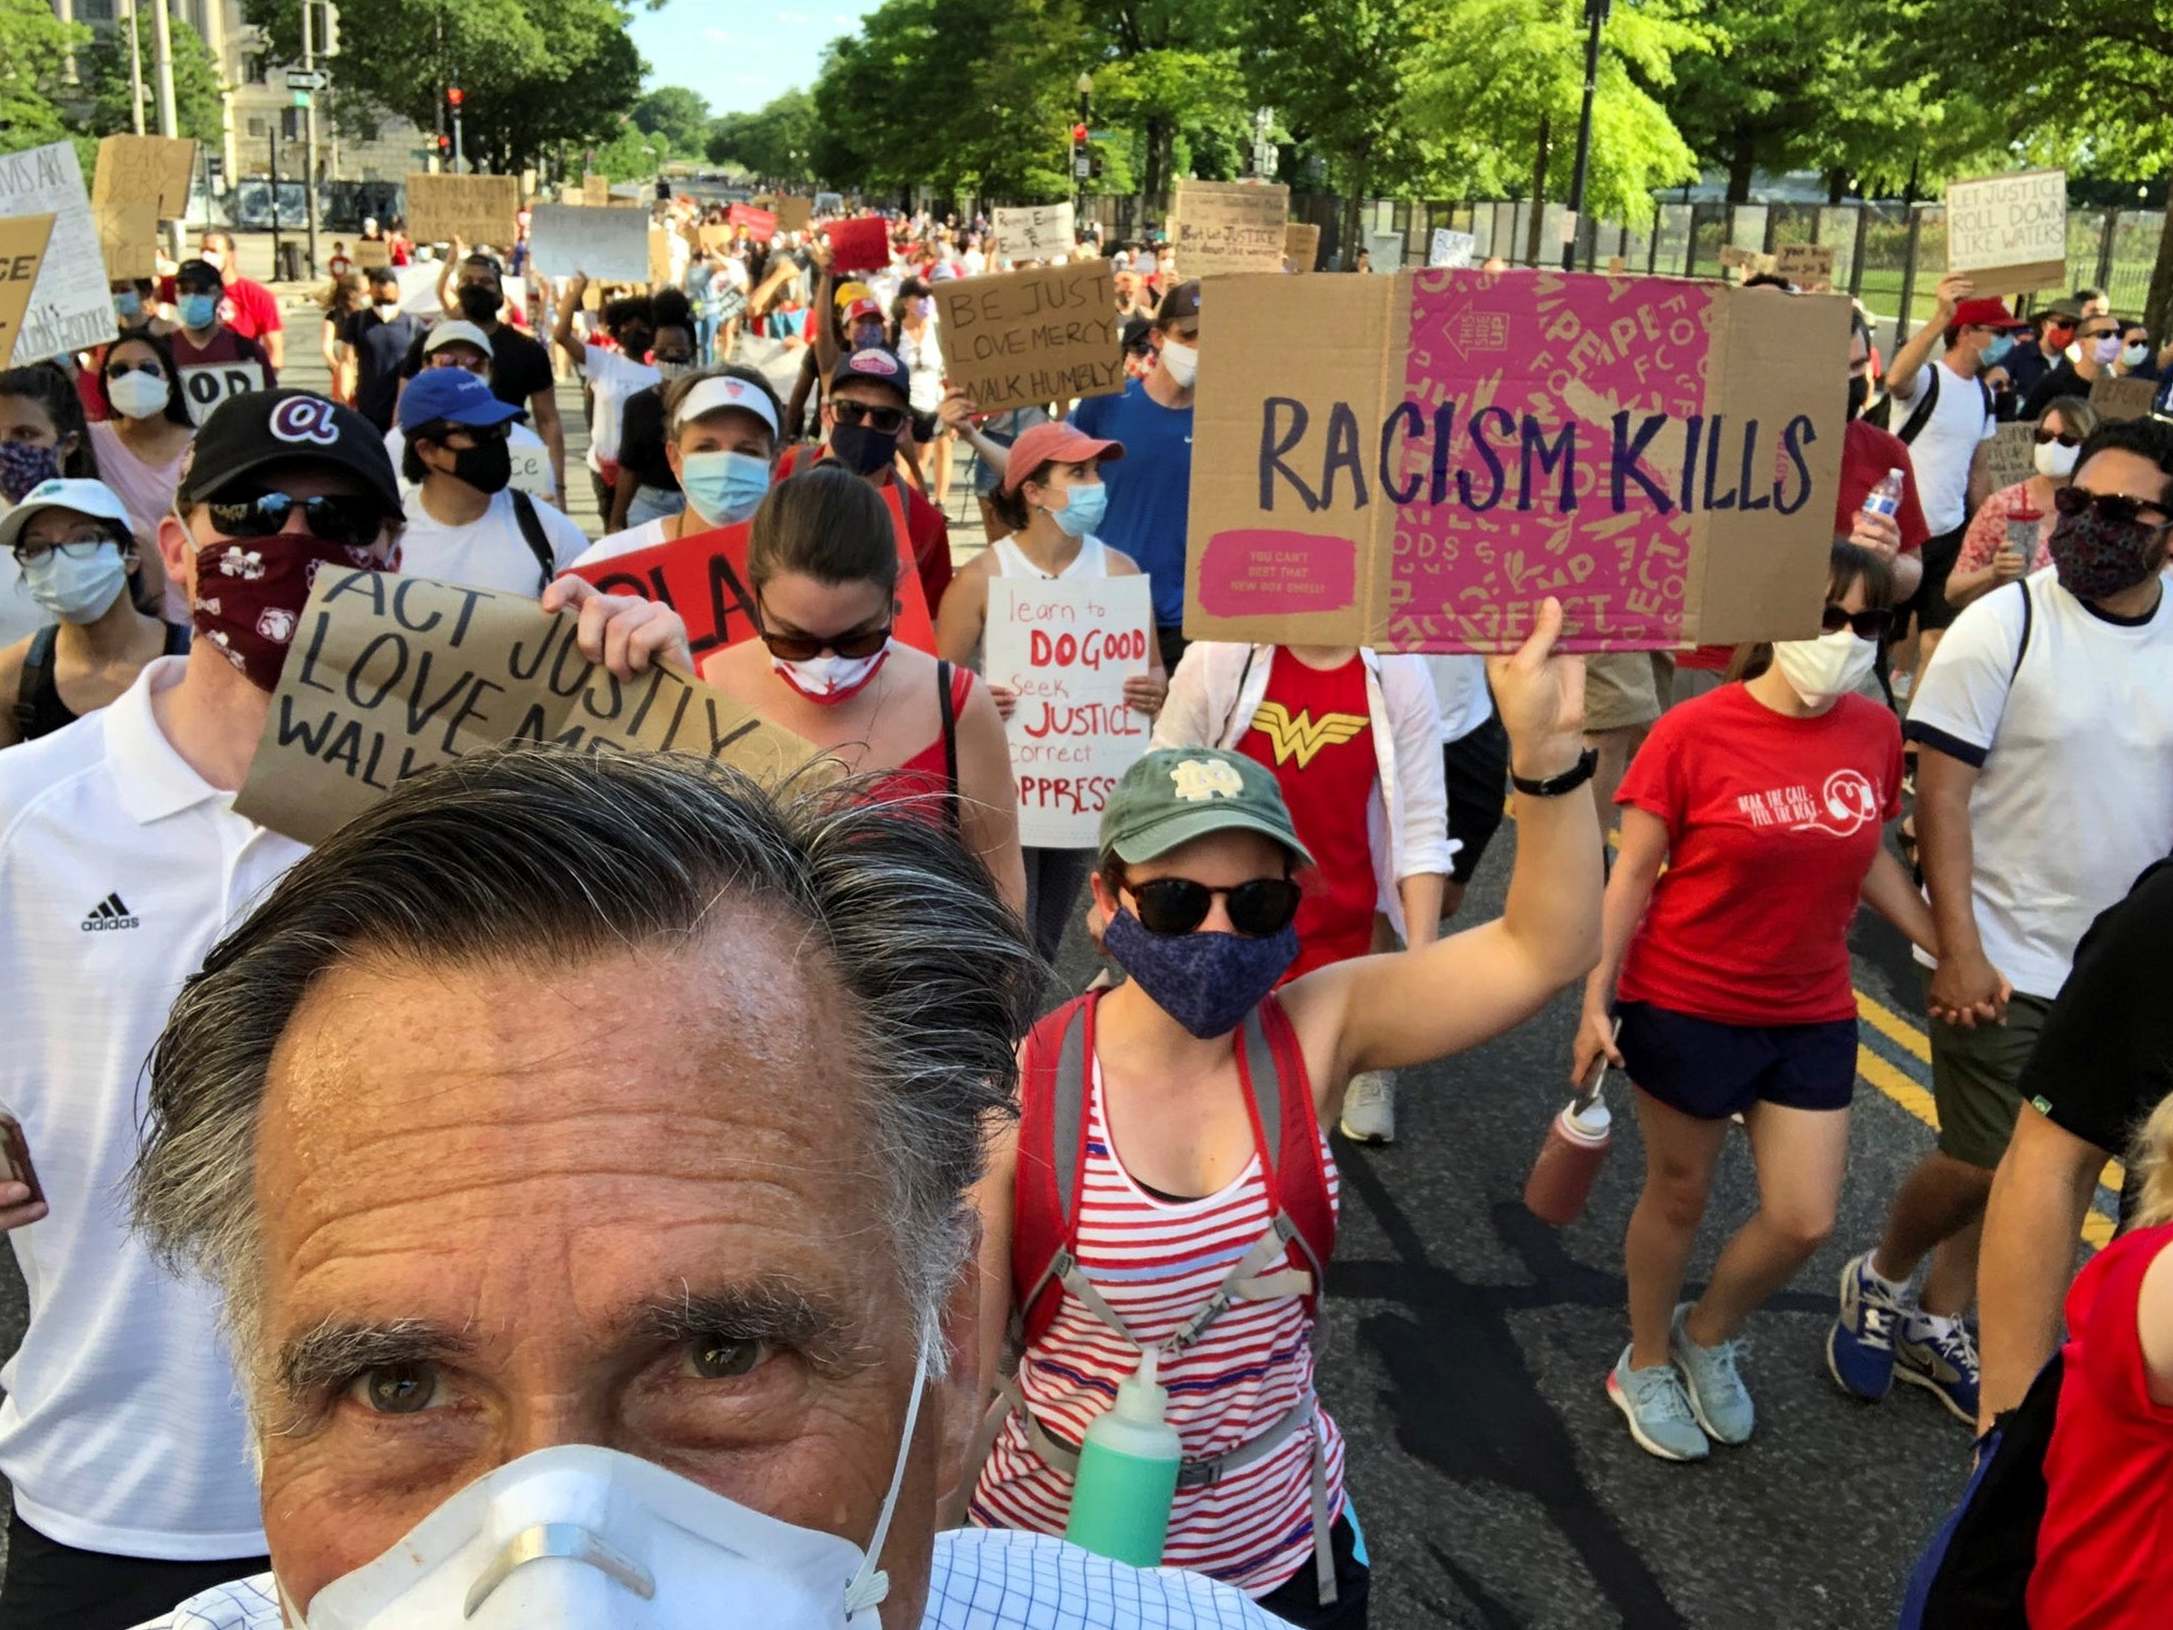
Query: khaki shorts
1974,1078
1622,689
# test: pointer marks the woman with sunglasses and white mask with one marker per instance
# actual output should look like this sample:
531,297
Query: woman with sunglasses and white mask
78,556
822,563
141,447
1765,802
1174,1167
1990,552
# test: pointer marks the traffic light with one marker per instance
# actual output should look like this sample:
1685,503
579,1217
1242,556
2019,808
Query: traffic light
1078,135
445,142
452,95
325,28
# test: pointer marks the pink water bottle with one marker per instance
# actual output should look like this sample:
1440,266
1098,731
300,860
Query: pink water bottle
1885,498
1569,1160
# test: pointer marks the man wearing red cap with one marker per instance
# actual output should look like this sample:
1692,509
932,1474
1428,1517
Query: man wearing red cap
1943,410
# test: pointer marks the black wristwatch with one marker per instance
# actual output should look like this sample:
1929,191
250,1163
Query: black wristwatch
1568,781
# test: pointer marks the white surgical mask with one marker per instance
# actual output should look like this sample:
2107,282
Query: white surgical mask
76,589
387,311
139,395
830,679
2054,462
1183,362
579,1537
1831,666
2134,356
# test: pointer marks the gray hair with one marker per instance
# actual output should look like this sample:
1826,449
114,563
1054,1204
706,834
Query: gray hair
551,855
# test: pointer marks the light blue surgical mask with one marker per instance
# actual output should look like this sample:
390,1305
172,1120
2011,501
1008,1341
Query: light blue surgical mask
128,305
1996,352
1084,508
197,311
724,487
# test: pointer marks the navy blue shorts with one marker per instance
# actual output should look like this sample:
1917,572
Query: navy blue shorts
1710,1070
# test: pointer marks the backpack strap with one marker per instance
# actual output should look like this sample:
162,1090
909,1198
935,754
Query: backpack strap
1046,1188
35,680
1300,1180
2022,646
531,525
1921,414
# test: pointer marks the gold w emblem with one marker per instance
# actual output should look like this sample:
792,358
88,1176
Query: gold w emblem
1303,737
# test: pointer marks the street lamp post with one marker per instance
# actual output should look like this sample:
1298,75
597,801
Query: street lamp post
1595,16
1085,88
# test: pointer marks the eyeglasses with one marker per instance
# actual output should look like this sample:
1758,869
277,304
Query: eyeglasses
341,519
807,647
1177,905
2114,508
81,546
1865,625
884,421
2066,438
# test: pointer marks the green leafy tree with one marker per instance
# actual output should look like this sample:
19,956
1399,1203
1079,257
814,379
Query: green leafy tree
34,47
634,154
680,114
775,142
197,86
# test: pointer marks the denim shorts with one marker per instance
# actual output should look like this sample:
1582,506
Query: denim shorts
1711,1070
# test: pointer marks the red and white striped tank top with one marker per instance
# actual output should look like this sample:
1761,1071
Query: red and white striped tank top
1156,1262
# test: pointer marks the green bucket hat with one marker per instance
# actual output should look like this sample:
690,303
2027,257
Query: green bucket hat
1176,794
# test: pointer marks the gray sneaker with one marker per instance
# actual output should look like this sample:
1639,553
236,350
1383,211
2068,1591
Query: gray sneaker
1654,1404
1717,1395
1369,1108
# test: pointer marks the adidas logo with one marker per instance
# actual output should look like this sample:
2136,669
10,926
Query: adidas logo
110,913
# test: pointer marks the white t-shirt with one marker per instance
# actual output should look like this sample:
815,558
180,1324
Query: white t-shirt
120,867
923,359
614,376
2075,792
1460,688
489,551
645,536
1944,447
531,461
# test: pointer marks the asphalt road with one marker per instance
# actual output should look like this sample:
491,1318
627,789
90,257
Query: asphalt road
1467,1344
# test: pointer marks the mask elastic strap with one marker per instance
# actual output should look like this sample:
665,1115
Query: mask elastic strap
871,1584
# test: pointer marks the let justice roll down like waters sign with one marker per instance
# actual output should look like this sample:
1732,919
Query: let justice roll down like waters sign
1426,457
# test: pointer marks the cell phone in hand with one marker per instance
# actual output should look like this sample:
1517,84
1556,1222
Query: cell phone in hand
15,1164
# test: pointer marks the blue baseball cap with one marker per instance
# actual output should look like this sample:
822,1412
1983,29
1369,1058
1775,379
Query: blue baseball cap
453,396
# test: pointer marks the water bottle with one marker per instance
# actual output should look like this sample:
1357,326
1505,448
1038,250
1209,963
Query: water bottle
1885,498
1569,1160
1120,1502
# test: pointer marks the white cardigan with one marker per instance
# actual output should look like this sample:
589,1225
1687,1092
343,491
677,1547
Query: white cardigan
1218,688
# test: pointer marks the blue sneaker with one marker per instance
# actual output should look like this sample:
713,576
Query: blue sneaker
1940,1356
1717,1395
1654,1404
1860,1346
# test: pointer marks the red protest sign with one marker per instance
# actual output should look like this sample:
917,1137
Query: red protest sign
859,245
704,578
761,225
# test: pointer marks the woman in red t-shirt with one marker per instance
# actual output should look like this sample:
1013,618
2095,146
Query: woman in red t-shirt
2102,1560
1765,801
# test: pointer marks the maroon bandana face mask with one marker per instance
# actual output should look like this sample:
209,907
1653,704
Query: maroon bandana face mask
250,593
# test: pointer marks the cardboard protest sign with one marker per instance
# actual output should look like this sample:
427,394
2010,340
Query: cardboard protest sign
794,214
71,305
128,239
1037,232
1451,248
1750,262
1301,245
761,225
371,253
1447,448
1044,335
22,247
152,170
1807,265
1229,226
716,239
595,191
2010,456
473,208
2123,398
1067,645
610,245
859,245
704,578
2009,232
660,257
391,675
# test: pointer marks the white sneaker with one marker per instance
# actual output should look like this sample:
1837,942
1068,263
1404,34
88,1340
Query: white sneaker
1369,1108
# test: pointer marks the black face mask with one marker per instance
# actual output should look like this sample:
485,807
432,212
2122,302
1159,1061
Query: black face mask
480,303
1859,394
486,467
635,342
861,450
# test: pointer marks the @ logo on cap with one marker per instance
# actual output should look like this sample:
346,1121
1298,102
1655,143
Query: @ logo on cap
306,419
1201,780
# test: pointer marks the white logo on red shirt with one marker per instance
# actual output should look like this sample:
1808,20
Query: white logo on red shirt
1845,805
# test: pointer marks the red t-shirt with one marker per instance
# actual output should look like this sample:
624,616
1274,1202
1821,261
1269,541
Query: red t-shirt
924,524
1772,824
1314,731
2103,1557
1867,453
250,310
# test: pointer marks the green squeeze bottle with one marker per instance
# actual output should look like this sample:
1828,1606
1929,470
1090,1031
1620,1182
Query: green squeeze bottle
1120,1502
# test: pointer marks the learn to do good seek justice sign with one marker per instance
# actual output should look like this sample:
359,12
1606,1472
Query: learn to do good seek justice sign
1066,646
1444,449
1044,335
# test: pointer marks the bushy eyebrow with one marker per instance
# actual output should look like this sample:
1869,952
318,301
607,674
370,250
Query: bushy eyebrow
336,1350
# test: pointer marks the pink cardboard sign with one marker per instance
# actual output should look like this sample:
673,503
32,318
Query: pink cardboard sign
1450,447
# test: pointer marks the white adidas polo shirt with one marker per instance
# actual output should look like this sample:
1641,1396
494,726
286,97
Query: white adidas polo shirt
120,867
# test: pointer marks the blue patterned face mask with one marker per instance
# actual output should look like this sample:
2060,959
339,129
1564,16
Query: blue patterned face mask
1207,982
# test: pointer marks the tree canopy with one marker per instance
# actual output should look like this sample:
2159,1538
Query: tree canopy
678,114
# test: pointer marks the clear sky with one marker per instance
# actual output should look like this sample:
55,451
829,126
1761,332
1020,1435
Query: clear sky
740,56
